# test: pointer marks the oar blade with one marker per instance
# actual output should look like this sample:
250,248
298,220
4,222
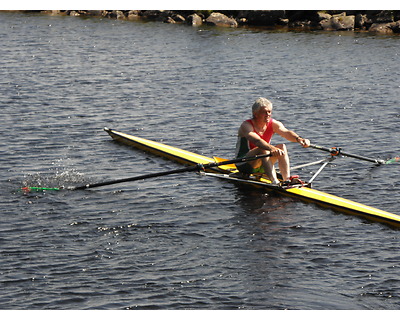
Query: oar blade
393,160
29,189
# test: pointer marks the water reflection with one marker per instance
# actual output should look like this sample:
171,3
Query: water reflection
268,210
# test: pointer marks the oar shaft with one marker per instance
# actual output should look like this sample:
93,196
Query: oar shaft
146,176
197,167
238,160
337,151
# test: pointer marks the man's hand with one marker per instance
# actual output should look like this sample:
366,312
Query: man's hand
276,152
305,143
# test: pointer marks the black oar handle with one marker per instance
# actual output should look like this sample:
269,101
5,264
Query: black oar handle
338,151
197,167
238,160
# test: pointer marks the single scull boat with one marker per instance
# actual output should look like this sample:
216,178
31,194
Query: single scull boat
304,192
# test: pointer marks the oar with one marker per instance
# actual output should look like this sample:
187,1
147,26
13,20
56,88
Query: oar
393,160
337,151
197,167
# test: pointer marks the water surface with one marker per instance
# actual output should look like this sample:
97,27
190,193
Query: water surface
189,242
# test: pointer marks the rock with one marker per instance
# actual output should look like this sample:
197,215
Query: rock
110,14
169,20
221,20
382,28
323,16
384,16
52,12
120,15
178,18
133,15
94,13
175,18
338,22
74,13
195,20
300,23
361,21
395,26
283,22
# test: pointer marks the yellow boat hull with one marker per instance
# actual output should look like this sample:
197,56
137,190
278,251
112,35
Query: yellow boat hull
305,193
163,150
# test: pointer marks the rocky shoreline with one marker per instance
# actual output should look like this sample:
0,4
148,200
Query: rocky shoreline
375,21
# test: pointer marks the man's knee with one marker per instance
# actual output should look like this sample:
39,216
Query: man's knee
260,151
282,146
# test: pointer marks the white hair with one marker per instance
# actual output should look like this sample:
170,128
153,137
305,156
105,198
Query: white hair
261,102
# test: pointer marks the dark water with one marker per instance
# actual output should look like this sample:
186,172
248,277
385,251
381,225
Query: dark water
189,242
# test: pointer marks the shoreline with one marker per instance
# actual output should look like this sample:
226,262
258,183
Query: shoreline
374,21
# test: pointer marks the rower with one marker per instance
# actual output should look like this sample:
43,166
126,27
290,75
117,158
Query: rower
254,138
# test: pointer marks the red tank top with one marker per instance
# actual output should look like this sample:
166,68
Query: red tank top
267,135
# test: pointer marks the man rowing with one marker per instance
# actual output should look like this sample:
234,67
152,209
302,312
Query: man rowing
254,138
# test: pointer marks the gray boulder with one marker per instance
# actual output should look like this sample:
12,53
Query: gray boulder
194,20
338,22
383,28
221,20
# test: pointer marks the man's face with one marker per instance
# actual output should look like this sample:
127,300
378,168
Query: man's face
264,114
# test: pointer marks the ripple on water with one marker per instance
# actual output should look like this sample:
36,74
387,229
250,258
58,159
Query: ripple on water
189,242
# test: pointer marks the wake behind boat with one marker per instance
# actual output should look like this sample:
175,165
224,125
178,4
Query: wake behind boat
226,172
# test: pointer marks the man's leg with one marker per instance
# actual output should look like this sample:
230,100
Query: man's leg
284,162
269,169
266,163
